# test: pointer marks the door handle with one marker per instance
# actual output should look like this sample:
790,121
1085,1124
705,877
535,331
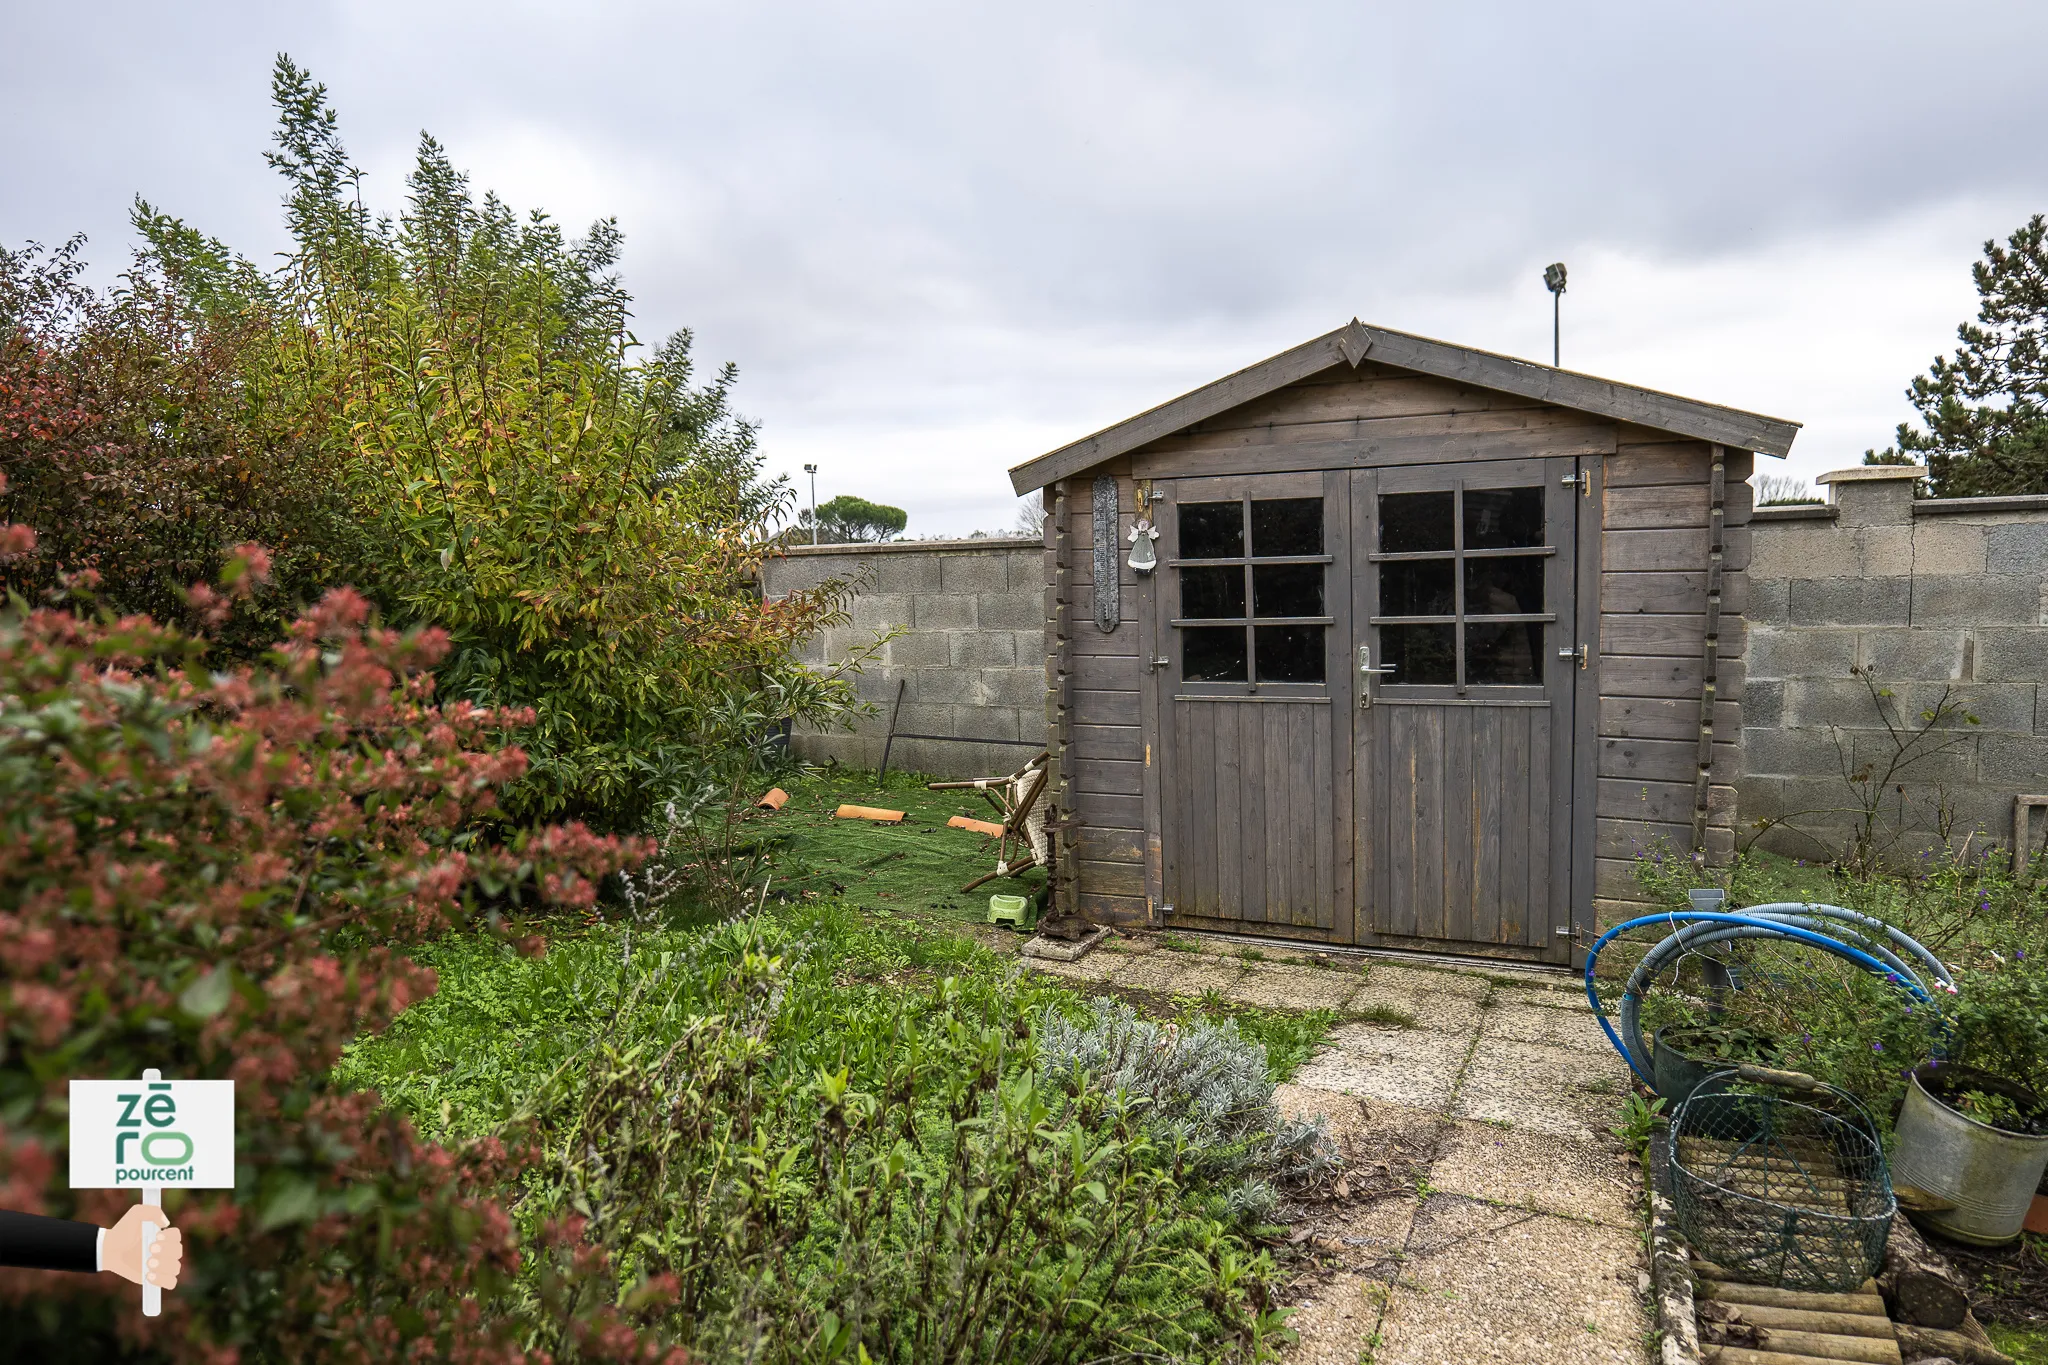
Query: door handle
1366,674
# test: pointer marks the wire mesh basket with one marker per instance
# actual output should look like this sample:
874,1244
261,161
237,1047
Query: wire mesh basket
1776,1190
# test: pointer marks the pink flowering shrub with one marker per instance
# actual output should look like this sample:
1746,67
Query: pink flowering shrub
217,873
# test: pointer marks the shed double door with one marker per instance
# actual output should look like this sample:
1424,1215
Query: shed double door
1365,685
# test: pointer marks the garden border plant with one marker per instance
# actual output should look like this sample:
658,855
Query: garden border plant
824,1135
214,872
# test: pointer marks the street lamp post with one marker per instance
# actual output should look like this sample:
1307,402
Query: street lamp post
1553,280
812,470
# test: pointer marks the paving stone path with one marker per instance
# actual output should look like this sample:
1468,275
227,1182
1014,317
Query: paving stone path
1514,1228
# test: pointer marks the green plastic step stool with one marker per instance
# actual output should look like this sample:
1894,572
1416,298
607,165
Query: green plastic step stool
1015,911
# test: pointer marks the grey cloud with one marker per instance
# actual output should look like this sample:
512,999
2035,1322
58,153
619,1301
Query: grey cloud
910,217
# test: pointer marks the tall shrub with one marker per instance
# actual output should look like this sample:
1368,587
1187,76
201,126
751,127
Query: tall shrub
585,523
449,411
146,431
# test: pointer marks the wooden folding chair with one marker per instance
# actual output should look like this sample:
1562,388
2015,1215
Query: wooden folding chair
1016,798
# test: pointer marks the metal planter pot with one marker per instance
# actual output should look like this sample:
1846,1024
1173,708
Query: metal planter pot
1987,1173
1675,1072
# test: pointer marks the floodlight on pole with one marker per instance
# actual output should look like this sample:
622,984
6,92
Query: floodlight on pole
812,470
1553,280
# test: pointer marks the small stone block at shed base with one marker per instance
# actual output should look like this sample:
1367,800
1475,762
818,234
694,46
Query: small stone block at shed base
1057,950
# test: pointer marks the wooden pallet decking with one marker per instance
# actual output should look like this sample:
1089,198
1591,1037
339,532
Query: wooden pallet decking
1790,1327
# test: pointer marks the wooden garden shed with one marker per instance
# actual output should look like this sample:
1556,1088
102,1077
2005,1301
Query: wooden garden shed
1437,640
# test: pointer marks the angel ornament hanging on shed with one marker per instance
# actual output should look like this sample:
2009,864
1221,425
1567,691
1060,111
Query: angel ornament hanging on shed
1143,558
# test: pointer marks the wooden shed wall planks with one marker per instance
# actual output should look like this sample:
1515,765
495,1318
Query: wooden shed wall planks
1653,596
1108,776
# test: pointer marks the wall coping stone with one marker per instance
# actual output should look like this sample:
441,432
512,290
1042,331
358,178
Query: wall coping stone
1864,473
1955,507
911,547
1922,507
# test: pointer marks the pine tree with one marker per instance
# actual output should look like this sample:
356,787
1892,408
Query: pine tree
1985,408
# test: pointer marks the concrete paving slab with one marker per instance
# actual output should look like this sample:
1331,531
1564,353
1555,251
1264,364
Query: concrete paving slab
1407,1066
1369,1237
1536,1170
1176,973
1543,1088
1353,1116
1429,1009
1209,974
1527,1247
1429,980
1296,988
1526,1023
1094,967
1560,993
1339,1326
1489,1285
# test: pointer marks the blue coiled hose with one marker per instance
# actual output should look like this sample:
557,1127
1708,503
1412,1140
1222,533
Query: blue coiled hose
1884,950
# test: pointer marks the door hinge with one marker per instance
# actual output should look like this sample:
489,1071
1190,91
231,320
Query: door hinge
1578,652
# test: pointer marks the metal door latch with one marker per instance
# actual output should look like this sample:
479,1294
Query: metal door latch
1366,674
1582,482
1162,662
1577,652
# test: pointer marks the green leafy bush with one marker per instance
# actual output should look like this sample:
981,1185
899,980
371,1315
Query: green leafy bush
819,1137
1999,1019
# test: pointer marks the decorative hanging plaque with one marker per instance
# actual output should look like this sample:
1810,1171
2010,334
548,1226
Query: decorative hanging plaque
1107,612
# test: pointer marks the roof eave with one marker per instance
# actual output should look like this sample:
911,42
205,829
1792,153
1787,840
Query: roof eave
1351,344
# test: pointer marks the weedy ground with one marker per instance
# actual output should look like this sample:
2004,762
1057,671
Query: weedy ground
862,1011
905,881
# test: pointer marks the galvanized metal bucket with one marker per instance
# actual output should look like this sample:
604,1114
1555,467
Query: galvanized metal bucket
1986,1174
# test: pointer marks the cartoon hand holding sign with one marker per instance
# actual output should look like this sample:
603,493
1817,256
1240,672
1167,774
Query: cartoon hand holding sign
146,1135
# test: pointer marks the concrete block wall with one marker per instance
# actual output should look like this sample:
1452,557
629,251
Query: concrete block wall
970,659
1924,597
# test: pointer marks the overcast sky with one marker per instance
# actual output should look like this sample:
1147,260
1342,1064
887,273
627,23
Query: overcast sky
941,239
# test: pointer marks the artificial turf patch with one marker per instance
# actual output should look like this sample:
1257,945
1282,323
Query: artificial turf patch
918,865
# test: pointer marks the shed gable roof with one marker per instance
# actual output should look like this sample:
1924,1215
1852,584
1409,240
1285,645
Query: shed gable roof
1351,343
